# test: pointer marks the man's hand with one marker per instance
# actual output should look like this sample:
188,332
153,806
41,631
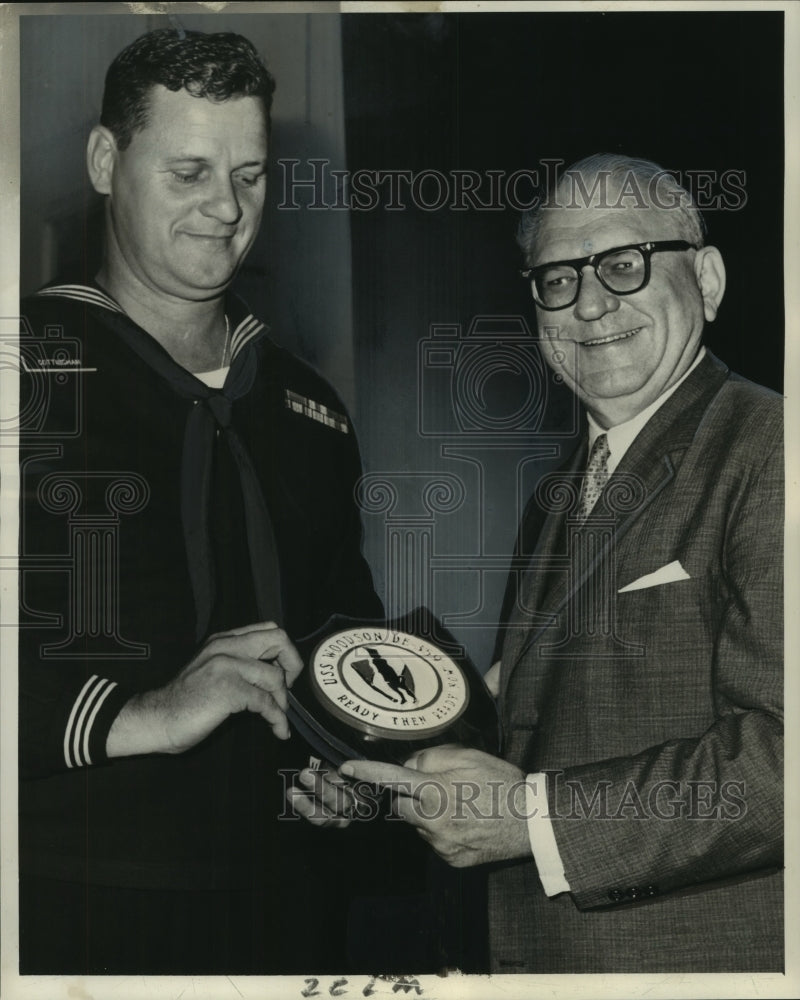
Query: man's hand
469,806
329,800
247,669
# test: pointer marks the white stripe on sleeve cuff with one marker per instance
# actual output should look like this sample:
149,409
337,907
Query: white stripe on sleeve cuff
81,719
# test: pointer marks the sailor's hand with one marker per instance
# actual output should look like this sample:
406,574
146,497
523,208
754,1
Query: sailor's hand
247,669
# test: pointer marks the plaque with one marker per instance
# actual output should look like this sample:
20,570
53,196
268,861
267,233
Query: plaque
382,690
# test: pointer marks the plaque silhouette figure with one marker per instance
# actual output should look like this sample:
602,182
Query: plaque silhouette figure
398,683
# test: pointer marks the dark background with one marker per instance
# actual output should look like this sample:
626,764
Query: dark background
692,91
357,293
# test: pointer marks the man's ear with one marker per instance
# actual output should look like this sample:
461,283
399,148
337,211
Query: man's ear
709,269
101,155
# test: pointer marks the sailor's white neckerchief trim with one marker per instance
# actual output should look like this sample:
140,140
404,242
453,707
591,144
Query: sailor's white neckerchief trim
243,334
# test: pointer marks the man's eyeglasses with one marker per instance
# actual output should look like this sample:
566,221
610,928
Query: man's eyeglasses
621,270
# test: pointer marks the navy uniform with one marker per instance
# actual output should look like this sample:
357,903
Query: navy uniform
156,511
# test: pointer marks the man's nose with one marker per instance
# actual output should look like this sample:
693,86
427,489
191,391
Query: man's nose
222,202
594,300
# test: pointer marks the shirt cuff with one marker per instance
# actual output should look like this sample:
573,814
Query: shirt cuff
543,840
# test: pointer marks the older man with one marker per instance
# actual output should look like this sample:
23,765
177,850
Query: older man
184,506
638,811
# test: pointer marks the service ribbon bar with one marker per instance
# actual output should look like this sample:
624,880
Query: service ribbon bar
316,411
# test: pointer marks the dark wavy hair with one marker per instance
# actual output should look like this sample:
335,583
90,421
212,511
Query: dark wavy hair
216,66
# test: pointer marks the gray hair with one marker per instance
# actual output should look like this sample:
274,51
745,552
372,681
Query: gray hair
648,183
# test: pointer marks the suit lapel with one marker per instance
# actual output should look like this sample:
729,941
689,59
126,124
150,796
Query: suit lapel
646,469
538,586
542,536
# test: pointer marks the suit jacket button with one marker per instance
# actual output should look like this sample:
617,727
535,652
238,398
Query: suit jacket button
633,893
616,895
650,890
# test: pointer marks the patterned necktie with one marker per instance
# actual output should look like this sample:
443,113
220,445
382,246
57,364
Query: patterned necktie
595,478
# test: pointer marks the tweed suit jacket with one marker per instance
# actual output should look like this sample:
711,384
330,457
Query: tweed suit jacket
656,708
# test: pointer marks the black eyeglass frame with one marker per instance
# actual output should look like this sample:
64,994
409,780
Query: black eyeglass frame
593,260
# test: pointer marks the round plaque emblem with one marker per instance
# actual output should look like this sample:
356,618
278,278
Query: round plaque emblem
388,684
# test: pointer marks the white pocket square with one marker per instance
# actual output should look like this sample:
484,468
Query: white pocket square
666,574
